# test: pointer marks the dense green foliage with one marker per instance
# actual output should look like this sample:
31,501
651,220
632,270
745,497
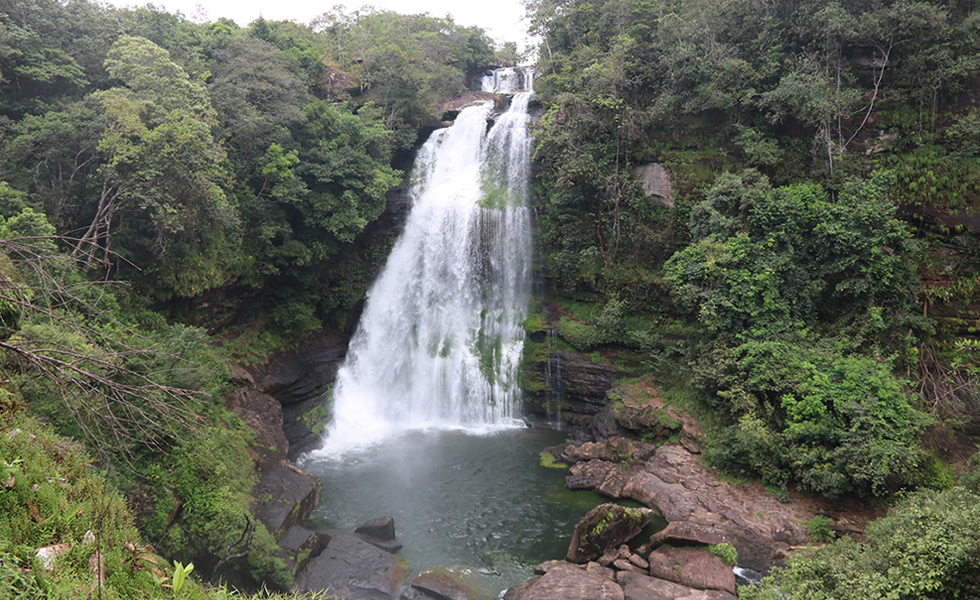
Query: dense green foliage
159,176
187,156
790,288
795,135
52,498
925,548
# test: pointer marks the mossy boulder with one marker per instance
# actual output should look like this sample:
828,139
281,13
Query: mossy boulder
605,526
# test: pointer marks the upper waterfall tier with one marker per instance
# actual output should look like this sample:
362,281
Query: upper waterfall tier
508,81
441,335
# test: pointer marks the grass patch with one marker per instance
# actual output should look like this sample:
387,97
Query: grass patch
547,460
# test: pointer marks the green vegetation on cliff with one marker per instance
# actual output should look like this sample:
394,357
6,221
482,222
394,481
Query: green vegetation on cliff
818,230
812,276
162,184
813,261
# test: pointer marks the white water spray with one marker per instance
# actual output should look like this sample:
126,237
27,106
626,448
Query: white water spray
441,335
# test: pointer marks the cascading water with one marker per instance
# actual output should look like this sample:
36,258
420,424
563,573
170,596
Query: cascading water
441,335
437,348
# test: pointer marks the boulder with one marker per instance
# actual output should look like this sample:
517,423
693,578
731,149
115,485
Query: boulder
637,586
297,546
382,528
639,561
566,582
349,567
443,585
284,496
622,564
263,415
611,555
605,526
692,567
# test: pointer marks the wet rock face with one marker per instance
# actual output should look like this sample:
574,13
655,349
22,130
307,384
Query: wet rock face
298,380
576,384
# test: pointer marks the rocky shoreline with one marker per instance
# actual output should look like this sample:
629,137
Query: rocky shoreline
282,403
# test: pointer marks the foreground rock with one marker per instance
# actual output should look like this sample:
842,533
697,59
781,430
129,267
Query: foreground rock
637,586
565,581
692,567
351,568
603,528
445,585
284,496
691,497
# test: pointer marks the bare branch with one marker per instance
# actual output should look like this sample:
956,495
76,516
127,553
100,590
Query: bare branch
107,384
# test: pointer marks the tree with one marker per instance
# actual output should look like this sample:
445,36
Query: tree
162,166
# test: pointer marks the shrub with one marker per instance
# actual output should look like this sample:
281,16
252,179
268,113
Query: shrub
819,529
926,548
726,552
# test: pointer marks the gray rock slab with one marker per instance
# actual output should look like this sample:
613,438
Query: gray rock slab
284,496
354,569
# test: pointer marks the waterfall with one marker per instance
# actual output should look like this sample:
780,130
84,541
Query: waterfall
441,335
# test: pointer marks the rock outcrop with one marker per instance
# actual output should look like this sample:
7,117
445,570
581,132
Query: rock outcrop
700,508
656,182
573,382
352,568
298,380
284,496
566,581
693,568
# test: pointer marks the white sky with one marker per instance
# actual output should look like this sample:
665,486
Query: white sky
502,19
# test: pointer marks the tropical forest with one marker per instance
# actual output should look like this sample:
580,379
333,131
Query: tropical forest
678,300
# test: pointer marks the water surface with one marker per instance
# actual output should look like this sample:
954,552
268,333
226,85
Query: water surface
479,503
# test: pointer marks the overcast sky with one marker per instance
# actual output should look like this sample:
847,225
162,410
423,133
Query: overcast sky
502,19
